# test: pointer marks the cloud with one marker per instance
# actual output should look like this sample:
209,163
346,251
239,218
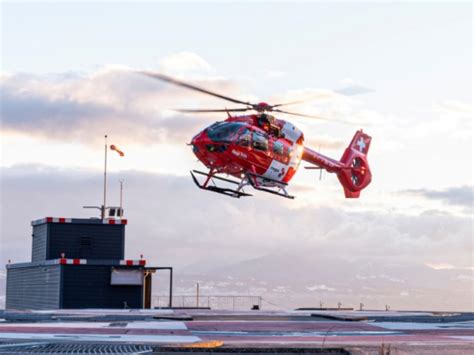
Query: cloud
442,266
168,210
120,102
80,107
351,87
184,62
320,288
451,119
454,106
274,74
462,196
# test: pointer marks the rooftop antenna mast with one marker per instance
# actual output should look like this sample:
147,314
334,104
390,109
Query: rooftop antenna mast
102,212
103,207
121,197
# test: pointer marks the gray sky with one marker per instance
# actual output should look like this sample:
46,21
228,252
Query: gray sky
67,78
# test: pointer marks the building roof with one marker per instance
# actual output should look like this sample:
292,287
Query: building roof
65,261
45,220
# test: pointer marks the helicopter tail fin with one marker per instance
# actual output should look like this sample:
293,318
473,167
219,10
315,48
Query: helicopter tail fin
355,174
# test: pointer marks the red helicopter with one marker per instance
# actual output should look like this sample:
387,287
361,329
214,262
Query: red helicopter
264,152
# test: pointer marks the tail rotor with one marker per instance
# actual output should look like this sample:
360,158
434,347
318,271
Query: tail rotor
355,175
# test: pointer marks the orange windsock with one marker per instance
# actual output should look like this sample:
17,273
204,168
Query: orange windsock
113,147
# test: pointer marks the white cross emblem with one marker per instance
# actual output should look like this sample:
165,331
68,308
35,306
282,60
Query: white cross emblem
361,144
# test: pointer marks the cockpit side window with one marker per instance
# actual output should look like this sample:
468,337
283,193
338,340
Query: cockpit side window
224,131
244,138
259,141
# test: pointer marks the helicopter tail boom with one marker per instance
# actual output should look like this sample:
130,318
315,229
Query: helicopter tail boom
352,169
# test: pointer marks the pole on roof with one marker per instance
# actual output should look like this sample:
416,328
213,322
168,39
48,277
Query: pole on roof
105,180
197,295
171,288
121,196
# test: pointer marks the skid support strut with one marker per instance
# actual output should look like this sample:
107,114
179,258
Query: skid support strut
266,184
210,184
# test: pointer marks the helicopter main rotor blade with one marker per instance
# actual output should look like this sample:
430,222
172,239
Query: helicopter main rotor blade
312,116
306,99
192,87
214,110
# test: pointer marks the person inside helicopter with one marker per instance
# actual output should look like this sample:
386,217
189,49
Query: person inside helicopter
264,121
267,123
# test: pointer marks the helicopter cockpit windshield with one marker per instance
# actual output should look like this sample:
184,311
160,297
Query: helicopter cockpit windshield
224,131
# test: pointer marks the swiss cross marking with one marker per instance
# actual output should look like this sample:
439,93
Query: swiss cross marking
361,144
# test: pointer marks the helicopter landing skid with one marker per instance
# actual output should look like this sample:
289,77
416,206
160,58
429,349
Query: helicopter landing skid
214,188
280,186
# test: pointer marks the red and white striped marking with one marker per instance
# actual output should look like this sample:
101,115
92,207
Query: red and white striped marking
133,262
114,221
69,220
53,220
64,261
75,261
58,220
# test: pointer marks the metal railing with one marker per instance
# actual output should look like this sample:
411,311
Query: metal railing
230,302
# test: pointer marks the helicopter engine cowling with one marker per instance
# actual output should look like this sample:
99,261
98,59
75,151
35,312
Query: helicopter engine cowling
291,132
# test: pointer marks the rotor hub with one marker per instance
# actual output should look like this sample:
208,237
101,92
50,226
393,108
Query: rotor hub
262,106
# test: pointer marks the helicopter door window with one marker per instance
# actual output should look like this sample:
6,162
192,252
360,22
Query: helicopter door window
244,138
259,141
278,148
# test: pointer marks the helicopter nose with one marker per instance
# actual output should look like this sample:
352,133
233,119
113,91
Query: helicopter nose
196,139
195,148
195,145
197,142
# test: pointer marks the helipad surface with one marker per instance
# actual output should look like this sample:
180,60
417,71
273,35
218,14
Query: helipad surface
360,332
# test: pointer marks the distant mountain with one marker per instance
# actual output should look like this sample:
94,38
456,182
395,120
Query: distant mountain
297,280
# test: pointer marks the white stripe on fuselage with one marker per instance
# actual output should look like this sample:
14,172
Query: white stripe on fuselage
276,170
